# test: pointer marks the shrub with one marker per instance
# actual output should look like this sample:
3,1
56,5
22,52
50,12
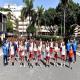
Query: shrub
48,37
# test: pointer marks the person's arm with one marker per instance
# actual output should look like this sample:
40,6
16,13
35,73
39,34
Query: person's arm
2,48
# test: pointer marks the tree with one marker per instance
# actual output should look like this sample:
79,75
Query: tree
39,16
71,10
9,26
16,21
4,9
28,9
9,23
31,29
49,16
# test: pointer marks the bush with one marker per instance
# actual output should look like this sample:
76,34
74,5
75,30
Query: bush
48,37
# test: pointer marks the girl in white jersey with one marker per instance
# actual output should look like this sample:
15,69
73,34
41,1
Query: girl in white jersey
12,57
21,54
43,50
35,50
56,50
63,53
39,52
40,42
47,54
31,55
51,46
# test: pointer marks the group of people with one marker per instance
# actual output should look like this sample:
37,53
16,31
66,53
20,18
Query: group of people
38,50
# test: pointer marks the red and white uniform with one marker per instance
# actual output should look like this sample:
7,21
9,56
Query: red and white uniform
31,55
39,52
35,48
12,50
51,47
47,49
31,47
63,52
56,49
41,44
47,53
21,52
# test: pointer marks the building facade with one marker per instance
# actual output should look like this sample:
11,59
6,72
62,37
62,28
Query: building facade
2,22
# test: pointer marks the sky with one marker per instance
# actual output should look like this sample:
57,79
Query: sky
46,3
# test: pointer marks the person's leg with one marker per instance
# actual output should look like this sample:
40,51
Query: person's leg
4,59
74,56
70,61
64,60
67,55
13,59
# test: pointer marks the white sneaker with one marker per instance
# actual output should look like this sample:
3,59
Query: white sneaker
24,65
64,64
20,65
54,64
61,65
57,65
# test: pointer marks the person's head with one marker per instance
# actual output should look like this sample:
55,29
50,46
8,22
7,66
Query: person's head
63,43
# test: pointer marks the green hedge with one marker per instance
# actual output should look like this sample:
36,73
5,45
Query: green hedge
48,37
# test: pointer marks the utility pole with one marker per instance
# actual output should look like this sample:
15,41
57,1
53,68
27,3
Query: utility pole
2,22
64,22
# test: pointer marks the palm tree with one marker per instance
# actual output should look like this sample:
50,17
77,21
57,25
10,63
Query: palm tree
64,3
28,9
23,16
39,16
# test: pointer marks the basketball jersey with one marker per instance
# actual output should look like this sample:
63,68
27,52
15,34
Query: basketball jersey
51,44
47,48
63,50
12,50
56,49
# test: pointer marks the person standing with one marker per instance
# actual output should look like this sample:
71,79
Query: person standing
68,46
63,54
56,50
12,54
22,54
74,47
5,54
71,55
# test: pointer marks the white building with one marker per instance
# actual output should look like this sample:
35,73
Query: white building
16,12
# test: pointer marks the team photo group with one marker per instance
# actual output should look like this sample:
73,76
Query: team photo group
46,52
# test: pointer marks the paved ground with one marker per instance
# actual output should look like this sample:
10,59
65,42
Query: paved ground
40,73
